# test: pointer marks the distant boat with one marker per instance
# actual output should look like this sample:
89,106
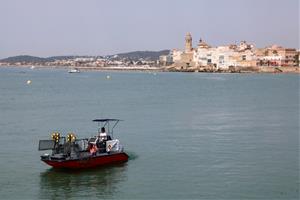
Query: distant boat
32,67
75,70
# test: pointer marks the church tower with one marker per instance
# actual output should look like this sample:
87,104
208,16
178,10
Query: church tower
188,42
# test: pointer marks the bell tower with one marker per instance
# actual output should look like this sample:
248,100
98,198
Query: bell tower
188,42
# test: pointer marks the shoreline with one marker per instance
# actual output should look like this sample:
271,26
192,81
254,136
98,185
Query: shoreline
257,70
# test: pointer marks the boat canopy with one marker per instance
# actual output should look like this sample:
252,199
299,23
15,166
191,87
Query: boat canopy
106,123
106,120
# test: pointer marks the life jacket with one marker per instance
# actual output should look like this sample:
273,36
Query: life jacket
93,149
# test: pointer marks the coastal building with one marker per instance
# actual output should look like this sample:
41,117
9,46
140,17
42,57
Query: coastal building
188,43
246,56
184,59
222,57
277,56
298,58
290,58
176,55
166,60
203,55
239,56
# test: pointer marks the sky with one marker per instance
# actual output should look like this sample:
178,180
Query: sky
102,27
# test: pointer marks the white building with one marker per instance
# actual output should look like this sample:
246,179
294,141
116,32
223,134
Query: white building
176,54
222,57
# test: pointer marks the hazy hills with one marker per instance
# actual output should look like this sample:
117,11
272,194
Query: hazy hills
34,59
135,55
146,55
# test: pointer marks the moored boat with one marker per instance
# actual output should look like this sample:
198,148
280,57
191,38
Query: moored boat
74,70
72,153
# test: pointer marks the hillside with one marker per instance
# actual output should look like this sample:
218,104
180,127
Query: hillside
24,58
135,55
35,59
146,55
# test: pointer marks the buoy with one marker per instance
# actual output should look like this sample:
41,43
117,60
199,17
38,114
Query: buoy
107,77
28,82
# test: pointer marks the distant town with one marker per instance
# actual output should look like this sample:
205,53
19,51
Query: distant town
235,58
138,60
242,57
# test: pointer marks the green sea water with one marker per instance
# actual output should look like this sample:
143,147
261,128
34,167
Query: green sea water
188,135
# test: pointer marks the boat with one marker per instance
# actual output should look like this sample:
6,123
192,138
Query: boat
75,70
72,153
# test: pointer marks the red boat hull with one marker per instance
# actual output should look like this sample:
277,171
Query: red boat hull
89,162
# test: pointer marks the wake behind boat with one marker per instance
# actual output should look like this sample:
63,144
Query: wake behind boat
70,152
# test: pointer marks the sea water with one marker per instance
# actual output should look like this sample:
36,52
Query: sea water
188,135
